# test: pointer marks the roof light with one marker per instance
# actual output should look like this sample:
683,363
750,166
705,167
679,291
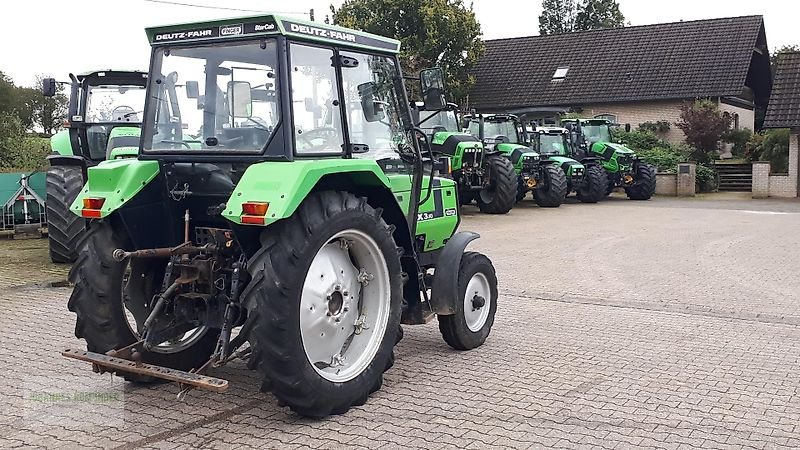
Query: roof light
561,73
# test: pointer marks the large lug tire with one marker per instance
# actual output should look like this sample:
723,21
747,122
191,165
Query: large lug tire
644,183
611,184
469,327
499,197
109,300
466,197
553,188
305,302
595,185
64,229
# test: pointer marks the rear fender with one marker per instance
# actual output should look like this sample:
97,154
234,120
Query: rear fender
284,185
444,293
61,144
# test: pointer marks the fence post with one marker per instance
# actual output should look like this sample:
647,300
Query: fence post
687,176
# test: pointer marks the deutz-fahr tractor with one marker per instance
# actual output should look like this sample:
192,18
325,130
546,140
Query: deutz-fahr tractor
587,178
504,133
103,119
593,138
283,209
483,175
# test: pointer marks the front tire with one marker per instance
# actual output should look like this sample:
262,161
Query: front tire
501,193
64,229
553,191
644,183
106,298
472,321
595,185
306,303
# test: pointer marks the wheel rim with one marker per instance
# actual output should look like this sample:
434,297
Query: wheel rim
179,344
477,302
344,306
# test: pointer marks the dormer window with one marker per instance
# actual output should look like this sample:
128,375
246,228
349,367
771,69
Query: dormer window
561,73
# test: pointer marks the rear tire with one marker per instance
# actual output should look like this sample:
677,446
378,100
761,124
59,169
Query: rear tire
64,229
499,197
97,301
644,183
469,327
595,185
286,306
553,191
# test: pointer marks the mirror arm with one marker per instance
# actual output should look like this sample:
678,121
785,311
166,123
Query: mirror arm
433,166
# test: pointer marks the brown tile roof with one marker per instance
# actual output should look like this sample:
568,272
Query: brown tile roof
704,58
784,103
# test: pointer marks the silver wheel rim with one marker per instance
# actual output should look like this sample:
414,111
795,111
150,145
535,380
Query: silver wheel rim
344,306
179,344
476,312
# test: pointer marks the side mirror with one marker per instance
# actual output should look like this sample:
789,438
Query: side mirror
373,110
432,84
192,89
49,87
240,102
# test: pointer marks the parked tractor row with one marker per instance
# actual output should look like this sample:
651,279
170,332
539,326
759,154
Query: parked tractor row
267,192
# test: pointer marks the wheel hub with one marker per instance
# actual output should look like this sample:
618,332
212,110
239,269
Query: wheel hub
476,297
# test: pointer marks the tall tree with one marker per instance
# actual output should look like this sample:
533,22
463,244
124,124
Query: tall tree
558,16
443,33
597,14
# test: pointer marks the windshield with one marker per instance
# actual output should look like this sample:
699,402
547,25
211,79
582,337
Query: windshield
596,133
499,131
114,104
216,97
551,144
439,121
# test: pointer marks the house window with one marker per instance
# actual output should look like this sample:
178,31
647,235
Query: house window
735,121
561,73
609,117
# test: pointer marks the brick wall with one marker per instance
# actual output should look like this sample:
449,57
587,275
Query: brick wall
637,113
766,185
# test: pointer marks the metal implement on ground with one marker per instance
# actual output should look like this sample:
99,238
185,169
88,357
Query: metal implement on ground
592,138
294,228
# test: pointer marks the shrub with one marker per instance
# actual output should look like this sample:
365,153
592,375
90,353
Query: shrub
640,140
661,126
772,146
739,139
665,159
706,179
703,124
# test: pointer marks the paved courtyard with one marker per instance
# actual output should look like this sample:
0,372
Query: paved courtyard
670,323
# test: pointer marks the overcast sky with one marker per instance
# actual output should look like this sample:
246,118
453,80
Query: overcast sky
58,37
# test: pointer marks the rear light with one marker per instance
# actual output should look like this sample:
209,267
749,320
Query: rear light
93,202
91,207
253,212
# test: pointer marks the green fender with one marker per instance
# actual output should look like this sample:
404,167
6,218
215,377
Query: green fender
284,185
59,143
117,182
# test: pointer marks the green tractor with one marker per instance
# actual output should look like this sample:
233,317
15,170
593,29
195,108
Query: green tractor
103,119
592,138
543,177
587,179
483,175
283,209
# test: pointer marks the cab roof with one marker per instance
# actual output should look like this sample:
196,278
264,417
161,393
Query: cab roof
268,25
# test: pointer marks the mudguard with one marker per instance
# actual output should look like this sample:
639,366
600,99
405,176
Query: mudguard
284,185
444,293
61,144
116,182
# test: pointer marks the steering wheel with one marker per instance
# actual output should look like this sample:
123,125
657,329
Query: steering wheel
324,133
125,115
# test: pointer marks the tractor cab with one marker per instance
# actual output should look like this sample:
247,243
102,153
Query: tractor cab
551,141
104,114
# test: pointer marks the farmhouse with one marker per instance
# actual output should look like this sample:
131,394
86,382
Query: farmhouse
630,75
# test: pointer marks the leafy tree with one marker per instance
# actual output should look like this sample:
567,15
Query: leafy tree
773,57
443,33
597,14
558,16
703,124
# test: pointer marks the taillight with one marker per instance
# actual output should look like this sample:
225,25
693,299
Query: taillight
253,212
92,206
